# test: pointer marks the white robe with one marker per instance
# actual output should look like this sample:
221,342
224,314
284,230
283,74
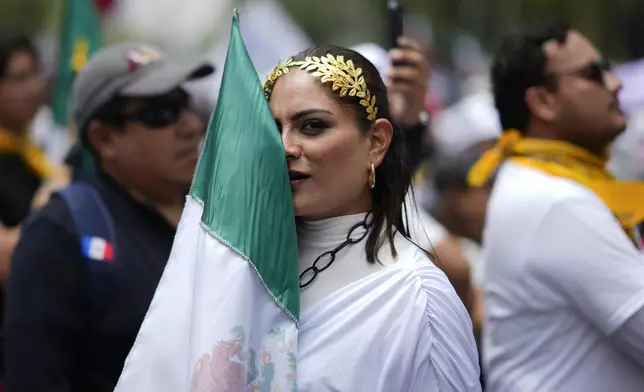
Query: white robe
395,326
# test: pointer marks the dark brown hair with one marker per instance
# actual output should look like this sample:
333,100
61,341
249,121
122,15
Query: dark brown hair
12,43
520,64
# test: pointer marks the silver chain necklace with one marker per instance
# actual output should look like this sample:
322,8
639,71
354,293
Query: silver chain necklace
324,261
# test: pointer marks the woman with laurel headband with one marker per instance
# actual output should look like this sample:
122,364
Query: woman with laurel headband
377,314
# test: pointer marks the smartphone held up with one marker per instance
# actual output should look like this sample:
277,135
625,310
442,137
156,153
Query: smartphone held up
395,12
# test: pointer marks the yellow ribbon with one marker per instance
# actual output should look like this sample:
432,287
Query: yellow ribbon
35,159
561,159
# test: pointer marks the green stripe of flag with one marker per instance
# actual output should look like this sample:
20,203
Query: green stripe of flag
250,206
80,37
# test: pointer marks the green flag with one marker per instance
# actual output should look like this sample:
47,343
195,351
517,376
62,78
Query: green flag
80,37
225,314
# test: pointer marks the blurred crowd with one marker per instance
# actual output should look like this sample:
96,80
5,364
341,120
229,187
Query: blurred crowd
444,103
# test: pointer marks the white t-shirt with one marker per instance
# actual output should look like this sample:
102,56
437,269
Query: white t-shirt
395,326
561,277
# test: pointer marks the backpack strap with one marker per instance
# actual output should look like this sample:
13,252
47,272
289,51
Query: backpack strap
97,240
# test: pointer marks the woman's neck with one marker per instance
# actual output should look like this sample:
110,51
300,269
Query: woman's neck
328,232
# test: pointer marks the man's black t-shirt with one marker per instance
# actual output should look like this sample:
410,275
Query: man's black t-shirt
18,185
51,343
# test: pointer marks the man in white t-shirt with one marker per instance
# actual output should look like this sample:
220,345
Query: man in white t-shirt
563,282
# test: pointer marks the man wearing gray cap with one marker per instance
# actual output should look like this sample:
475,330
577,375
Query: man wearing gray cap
87,265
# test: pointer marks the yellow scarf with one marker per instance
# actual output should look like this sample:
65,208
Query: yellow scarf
561,159
35,159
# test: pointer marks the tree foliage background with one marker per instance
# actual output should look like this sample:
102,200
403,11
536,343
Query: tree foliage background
26,15
616,26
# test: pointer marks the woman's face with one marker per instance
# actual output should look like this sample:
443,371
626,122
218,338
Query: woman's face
329,158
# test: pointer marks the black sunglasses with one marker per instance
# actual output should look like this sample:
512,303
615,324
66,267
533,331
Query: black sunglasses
159,112
594,70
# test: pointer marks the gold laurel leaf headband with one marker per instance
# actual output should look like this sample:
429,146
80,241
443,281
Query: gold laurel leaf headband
344,76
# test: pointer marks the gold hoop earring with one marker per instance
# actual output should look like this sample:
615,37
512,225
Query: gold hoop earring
372,177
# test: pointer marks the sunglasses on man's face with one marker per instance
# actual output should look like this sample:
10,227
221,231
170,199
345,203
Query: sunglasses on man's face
594,70
159,112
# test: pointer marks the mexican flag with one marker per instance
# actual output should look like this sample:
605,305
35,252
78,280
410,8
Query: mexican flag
80,37
225,314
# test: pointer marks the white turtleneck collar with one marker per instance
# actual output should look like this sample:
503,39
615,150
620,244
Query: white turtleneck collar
350,265
328,233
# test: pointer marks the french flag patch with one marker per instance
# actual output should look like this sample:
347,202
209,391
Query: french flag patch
97,248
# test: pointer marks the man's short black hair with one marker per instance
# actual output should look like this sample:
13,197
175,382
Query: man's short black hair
12,43
520,64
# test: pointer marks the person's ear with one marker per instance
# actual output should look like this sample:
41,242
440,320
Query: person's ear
542,103
379,140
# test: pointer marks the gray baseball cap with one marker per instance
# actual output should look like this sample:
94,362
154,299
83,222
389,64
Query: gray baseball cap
131,70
